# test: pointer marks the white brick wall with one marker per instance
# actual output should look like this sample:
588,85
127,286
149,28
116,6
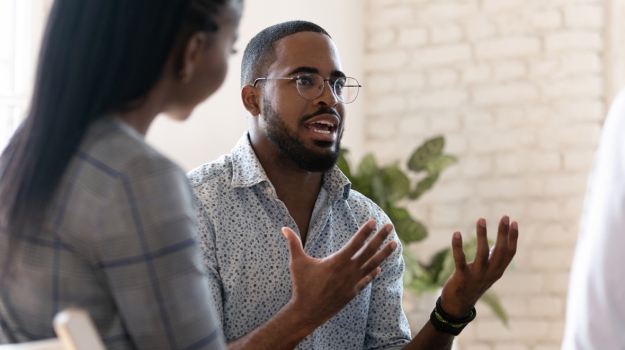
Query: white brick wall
517,87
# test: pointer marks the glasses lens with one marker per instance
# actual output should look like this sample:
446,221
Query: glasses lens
346,89
309,85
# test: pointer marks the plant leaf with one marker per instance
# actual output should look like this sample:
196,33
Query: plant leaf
492,300
343,165
363,181
397,183
413,268
385,186
412,264
368,166
397,214
408,230
361,185
447,268
379,190
432,147
422,186
412,230
438,163
416,278
419,286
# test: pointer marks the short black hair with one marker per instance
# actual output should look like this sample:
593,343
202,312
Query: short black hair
260,51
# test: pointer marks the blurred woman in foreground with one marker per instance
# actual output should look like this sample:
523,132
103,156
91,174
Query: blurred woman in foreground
90,215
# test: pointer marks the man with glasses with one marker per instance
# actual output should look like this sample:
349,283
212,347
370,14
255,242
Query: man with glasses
323,283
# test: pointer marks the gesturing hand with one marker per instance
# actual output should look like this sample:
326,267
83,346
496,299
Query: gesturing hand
322,287
470,280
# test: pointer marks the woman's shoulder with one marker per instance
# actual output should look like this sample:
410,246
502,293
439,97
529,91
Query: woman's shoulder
111,157
118,150
113,171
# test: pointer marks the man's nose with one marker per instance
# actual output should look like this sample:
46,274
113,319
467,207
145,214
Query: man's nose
328,97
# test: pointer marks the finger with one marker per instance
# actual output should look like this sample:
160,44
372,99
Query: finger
378,258
373,245
367,279
481,255
513,238
359,239
294,243
501,245
460,259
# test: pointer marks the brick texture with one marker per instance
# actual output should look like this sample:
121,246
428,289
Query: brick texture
517,87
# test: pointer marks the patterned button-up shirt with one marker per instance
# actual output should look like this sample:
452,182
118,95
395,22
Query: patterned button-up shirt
119,240
247,259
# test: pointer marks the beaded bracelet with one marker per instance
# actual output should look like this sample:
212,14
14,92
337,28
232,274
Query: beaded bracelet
445,323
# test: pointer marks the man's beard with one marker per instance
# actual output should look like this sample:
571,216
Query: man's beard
293,147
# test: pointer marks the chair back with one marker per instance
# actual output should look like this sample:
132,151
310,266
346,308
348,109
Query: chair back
74,329
48,344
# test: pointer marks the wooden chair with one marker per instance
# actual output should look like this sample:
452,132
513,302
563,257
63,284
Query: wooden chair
75,331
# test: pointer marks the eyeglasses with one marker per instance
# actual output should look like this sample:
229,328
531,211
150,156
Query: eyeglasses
310,86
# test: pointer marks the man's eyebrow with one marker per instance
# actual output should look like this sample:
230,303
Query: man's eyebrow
304,70
334,73
337,73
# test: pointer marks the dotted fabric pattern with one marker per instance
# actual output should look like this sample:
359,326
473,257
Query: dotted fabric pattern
247,258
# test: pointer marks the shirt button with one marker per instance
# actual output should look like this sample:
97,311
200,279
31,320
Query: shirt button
286,218
268,190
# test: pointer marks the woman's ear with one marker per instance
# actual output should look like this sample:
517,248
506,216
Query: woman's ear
191,55
250,96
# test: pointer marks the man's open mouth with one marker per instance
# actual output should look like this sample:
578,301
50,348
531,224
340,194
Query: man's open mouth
322,127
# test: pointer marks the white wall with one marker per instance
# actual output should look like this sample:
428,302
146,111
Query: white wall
217,124
21,28
518,89
614,48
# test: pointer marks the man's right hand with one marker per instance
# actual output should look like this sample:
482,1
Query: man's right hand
322,287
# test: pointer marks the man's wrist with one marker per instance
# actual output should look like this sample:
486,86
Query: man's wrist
287,328
455,309
299,320
443,322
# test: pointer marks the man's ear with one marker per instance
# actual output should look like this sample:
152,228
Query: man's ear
250,96
190,55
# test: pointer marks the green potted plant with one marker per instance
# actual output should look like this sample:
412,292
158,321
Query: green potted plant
386,186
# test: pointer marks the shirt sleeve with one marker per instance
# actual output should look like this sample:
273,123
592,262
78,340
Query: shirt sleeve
596,302
387,325
209,258
146,246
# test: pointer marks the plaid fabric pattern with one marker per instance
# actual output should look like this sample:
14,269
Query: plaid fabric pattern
120,241
247,259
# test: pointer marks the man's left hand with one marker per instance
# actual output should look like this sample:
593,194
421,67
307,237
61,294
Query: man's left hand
470,280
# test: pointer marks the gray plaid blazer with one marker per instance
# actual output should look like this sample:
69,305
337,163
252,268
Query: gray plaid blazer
119,240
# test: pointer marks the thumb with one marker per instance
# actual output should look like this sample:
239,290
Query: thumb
294,243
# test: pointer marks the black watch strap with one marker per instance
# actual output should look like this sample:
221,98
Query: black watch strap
445,323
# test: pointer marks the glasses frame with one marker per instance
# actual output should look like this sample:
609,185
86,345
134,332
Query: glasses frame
332,85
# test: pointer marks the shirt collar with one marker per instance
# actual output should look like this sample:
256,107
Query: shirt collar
246,168
247,171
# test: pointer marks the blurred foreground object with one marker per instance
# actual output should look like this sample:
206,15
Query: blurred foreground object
75,331
595,315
